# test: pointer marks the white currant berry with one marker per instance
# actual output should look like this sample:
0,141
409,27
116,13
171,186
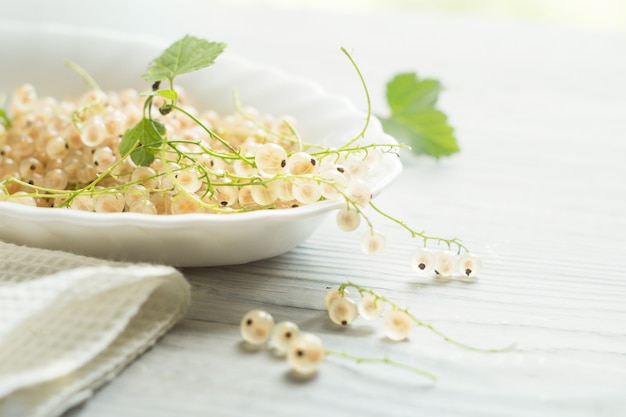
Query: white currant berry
263,195
343,311
307,191
359,191
189,180
422,261
370,307
83,203
270,158
244,169
301,163
145,176
94,132
348,219
397,325
332,294
109,203
25,199
143,206
226,195
356,168
256,327
284,189
337,181
469,265
282,336
103,158
444,264
373,243
305,354
374,158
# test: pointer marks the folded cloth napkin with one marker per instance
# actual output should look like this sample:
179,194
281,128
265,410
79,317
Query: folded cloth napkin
70,323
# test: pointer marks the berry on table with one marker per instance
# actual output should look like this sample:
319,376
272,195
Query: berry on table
343,311
282,335
305,354
256,327
370,307
397,325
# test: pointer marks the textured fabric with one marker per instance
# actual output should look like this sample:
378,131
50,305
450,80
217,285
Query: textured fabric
69,323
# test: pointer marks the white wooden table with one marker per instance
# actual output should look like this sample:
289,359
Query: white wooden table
539,190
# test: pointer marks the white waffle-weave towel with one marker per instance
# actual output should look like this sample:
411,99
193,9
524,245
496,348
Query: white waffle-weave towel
70,323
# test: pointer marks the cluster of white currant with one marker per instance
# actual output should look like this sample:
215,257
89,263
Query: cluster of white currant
445,264
398,322
67,154
304,351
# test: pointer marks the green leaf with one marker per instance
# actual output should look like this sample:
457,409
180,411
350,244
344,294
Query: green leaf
144,140
414,117
185,55
4,119
169,94
142,156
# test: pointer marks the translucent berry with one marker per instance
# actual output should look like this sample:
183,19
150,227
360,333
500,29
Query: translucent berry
445,263
422,261
356,168
397,325
55,179
144,207
226,195
370,307
282,336
189,180
343,311
305,354
307,192
332,294
83,203
94,132
244,169
145,176
372,243
109,203
335,181
185,204
103,158
469,265
348,220
263,195
256,327
24,199
270,158
284,190
301,163
359,191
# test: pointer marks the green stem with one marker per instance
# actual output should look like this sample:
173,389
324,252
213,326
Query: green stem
213,135
385,360
414,233
367,97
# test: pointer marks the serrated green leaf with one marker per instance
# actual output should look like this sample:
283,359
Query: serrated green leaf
147,135
414,117
185,55
408,94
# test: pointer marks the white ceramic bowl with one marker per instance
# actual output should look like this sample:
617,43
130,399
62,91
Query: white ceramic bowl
36,54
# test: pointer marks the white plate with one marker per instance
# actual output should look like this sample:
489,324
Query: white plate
36,54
